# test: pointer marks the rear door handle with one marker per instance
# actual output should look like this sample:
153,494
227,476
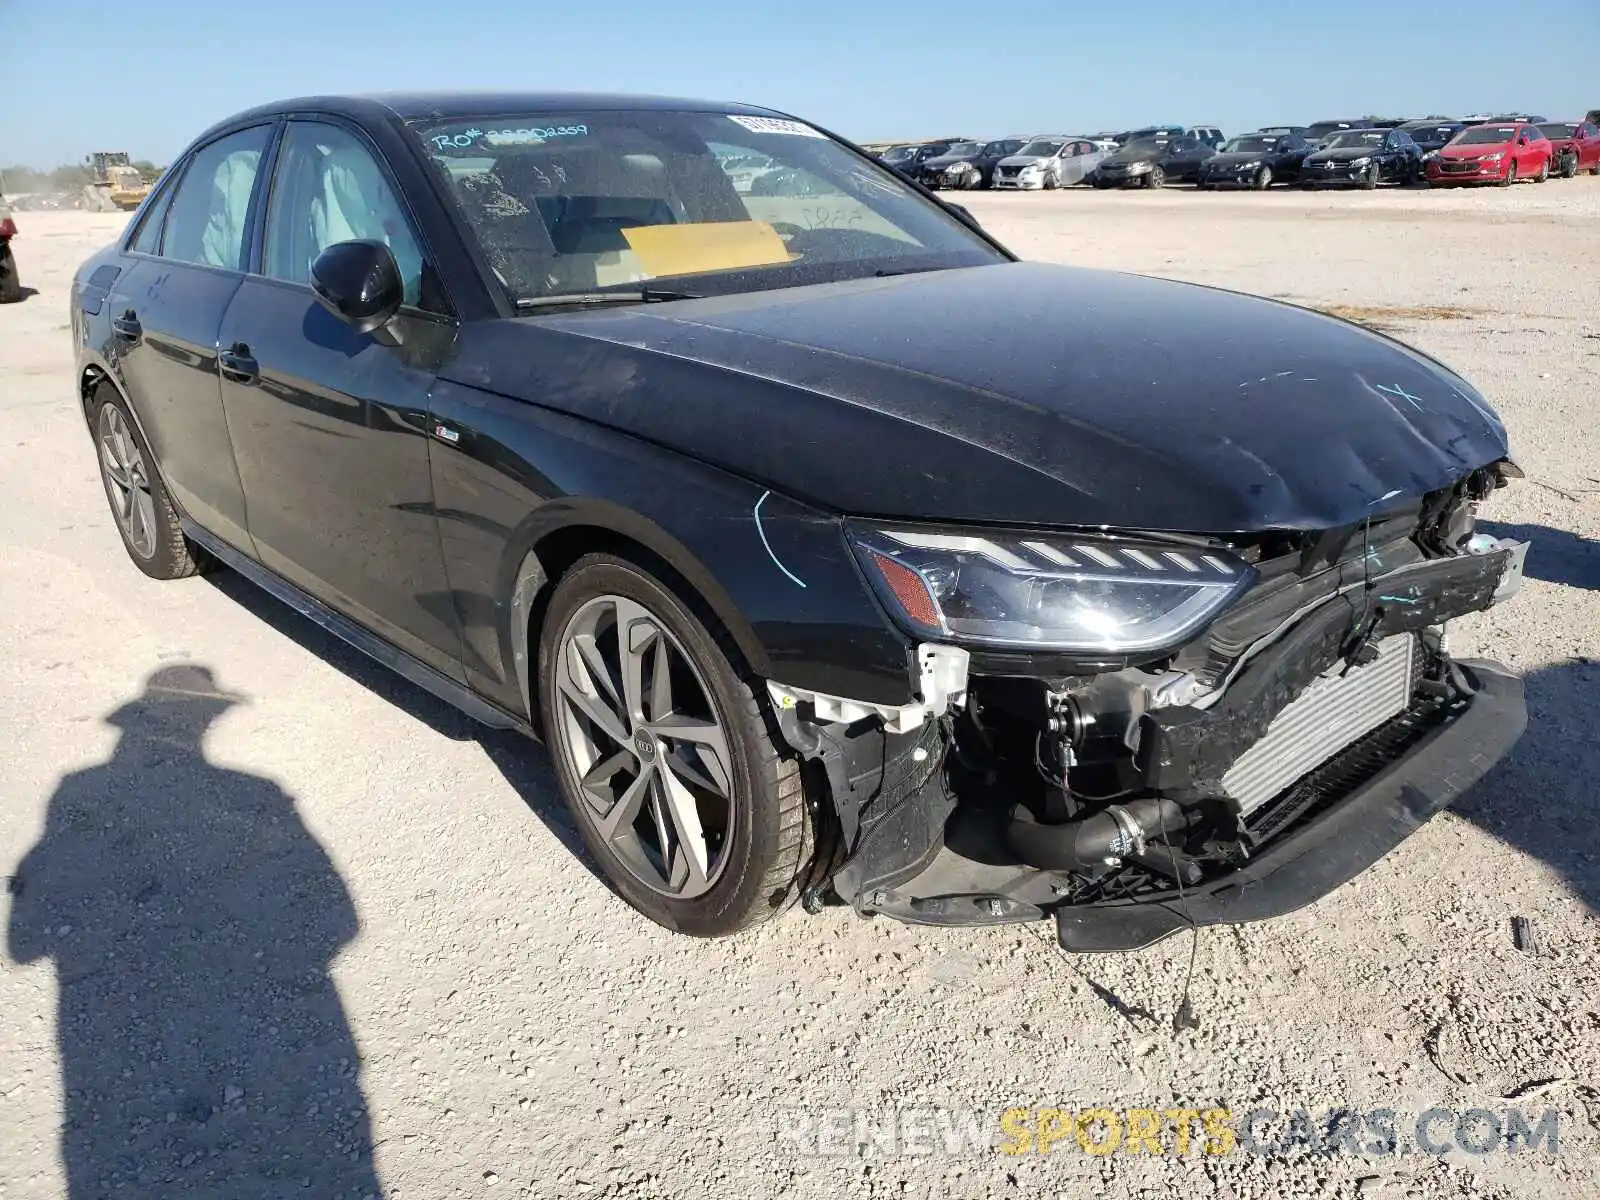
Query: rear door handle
127,327
238,364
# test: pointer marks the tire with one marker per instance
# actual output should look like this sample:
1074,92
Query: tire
1370,177
766,841
1569,166
1511,175
1544,172
1263,179
149,526
1051,183
1156,179
10,284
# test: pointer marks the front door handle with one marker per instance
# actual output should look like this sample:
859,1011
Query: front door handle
127,327
238,364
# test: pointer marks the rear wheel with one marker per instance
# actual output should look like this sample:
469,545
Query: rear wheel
143,511
662,746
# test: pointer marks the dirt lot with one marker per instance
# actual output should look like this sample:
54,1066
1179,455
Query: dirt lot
505,1025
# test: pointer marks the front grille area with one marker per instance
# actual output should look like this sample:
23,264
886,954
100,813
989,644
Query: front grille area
1336,710
1008,172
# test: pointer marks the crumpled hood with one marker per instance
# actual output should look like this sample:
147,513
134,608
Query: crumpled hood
1148,154
1015,393
949,160
1238,158
1023,160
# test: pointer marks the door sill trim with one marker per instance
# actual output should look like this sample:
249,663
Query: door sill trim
374,647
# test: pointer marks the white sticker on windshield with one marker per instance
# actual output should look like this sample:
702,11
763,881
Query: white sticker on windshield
775,125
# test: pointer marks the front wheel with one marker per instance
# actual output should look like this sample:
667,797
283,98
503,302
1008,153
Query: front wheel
1569,166
1051,183
1263,179
1510,176
1369,177
144,513
1544,172
665,756
1157,178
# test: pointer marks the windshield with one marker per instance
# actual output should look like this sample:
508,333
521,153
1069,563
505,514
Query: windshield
1323,128
1558,129
1147,145
963,148
1250,145
1486,135
1043,148
1009,146
564,204
1430,133
899,153
1354,139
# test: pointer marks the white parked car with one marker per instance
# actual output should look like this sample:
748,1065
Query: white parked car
1050,162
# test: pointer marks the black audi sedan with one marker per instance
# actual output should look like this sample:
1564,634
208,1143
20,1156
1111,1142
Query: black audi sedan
837,555
1363,158
1256,160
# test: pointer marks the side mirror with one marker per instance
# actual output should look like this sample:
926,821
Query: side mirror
359,283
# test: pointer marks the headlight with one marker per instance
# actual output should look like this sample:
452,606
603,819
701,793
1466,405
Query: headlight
1495,157
960,168
1252,165
1136,168
1032,169
1050,592
1357,164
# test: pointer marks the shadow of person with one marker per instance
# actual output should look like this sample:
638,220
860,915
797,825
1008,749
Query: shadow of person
192,919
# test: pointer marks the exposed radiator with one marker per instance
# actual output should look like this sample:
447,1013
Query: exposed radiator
1323,720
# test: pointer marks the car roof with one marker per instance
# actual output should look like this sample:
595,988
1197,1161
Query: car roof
473,105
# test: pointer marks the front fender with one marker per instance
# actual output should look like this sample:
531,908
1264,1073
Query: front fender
520,491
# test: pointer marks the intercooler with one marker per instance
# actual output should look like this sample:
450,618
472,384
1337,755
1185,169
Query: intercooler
1334,711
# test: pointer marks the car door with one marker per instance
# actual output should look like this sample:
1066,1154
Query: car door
185,263
330,424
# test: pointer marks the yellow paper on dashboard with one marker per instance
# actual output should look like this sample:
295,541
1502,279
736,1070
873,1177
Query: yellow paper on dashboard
706,246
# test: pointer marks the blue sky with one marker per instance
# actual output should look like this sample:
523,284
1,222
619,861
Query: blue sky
81,75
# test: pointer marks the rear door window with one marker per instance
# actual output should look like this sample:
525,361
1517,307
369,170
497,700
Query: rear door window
210,214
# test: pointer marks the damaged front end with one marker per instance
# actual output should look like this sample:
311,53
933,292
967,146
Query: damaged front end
1204,730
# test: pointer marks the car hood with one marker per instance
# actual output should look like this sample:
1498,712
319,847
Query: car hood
1134,156
949,160
1344,155
1476,149
1237,158
1015,393
1024,160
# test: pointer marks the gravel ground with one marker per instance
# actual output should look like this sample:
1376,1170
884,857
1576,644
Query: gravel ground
327,938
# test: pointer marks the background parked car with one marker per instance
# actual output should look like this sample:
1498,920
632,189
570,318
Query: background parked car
1364,158
1144,132
1255,160
1283,130
969,164
1432,135
10,284
1574,147
1501,153
1050,162
1153,162
1319,131
907,160
1209,134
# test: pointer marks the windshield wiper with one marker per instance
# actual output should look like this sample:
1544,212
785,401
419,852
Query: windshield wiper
643,295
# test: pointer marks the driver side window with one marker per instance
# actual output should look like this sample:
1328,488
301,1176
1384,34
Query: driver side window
328,189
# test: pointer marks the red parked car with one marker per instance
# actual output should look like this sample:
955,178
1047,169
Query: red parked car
1500,152
1575,147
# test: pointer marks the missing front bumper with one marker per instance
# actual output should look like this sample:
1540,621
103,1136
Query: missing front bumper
1339,843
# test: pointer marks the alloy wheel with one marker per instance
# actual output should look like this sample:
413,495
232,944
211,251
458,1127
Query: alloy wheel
127,481
642,738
